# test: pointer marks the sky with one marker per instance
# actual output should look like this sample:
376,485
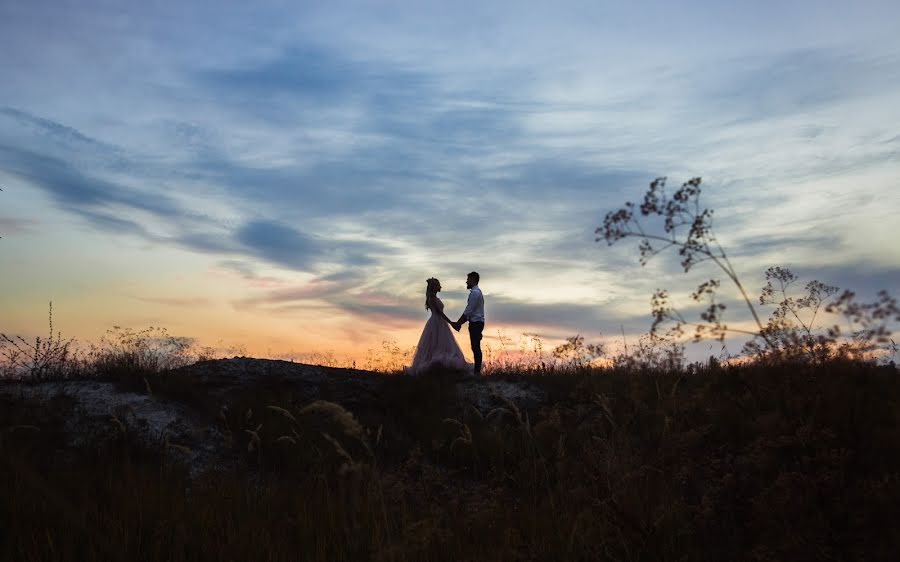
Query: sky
284,176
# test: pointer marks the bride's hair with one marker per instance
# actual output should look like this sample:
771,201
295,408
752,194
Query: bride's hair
430,291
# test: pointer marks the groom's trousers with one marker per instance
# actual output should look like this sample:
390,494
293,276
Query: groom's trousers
475,331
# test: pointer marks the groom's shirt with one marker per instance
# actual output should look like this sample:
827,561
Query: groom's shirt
475,307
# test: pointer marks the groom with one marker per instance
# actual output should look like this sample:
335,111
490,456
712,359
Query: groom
474,315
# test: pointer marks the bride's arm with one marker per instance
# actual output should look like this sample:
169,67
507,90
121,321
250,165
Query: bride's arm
439,310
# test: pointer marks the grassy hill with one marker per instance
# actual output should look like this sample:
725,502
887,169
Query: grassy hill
245,459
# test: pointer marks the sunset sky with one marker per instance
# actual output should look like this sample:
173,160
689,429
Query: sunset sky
286,175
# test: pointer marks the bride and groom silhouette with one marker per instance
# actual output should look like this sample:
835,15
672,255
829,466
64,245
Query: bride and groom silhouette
437,346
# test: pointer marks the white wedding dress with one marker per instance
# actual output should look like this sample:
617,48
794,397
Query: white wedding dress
437,346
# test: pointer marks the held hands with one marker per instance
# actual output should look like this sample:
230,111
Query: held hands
456,325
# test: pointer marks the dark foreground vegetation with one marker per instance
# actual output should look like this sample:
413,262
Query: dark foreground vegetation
724,463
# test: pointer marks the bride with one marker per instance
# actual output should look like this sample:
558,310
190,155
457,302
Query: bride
437,346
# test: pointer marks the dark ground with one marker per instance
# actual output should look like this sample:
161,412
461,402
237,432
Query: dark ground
245,459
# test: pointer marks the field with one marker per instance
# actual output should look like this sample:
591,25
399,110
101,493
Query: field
791,462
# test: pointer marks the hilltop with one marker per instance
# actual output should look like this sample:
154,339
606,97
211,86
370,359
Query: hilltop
250,459
185,407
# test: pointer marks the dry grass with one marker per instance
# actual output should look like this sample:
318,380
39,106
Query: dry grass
737,463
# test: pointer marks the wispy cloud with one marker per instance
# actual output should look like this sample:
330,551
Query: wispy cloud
12,225
175,302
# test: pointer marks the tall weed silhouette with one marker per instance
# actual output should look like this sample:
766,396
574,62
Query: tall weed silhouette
679,222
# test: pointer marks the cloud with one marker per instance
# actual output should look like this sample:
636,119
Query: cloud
863,278
243,269
311,73
79,191
55,131
112,224
12,225
174,301
798,245
249,273
52,174
217,243
278,243
565,317
289,247
395,141
102,202
795,81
